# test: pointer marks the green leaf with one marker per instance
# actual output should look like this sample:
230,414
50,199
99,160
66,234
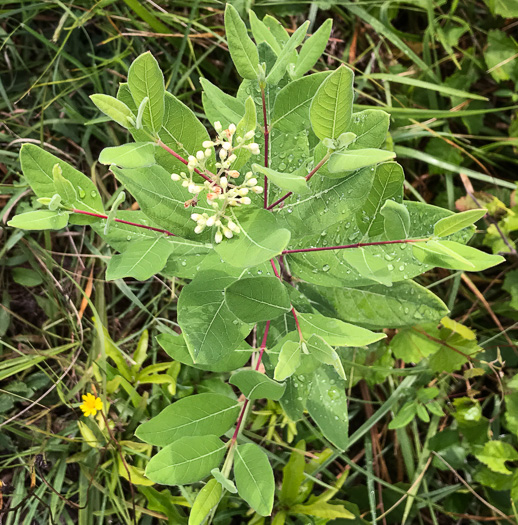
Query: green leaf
293,475
335,332
145,79
187,460
294,182
254,478
219,106
182,132
257,299
396,220
327,405
195,415
38,167
141,260
40,220
260,239
161,199
370,127
455,256
291,107
277,29
320,350
63,186
205,501
255,385
211,330
242,50
325,510
495,454
331,109
115,109
368,265
279,69
500,56
26,277
505,8
176,348
289,360
404,416
454,223
377,306
226,483
134,155
262,33
313,48
351,160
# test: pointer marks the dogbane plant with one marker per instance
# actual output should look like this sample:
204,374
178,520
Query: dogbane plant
287,220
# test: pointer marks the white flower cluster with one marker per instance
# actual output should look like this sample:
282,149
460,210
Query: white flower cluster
222,188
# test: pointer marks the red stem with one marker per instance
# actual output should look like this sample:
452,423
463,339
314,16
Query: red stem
181,159
100,216
266,146
357,245
308,176
245,405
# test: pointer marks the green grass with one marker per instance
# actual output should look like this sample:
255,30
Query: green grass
53,55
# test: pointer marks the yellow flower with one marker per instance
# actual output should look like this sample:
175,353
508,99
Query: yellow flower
91,405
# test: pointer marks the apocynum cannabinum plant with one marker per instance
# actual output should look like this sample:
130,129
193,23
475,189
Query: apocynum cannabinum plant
289,222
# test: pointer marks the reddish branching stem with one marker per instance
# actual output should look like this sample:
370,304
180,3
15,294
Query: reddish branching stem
137,225
245,405
356,245
308,176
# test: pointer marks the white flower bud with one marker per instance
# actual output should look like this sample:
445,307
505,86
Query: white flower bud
252,182
223,182
233,226
191,188
249,135
232,128
211,221
257,189
175,177
242,192
199,228
200,155
246,200
227,232
191,159
217,126
222,154
217,223
232,158
195,216
233,173
218,237
185,183
226,145
208,153
207,144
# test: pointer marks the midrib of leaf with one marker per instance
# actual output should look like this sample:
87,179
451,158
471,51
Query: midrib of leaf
377,206
148,88
143,256
252,476
189,461
264,382
242,47
258,301
213,414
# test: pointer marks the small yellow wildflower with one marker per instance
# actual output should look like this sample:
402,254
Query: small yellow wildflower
91,405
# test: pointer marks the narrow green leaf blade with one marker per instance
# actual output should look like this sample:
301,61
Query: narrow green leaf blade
187,460
289,360
242,50
195,415
313,48
262,33
115,109
40,220
454,223
254,478
205,501
133,155
370,127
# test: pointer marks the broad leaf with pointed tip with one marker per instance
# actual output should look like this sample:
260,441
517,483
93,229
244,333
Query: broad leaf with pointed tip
116,109
289,360
205,501
187,460
40,220
454,223
396,220
313,48
370,127
331,108
254,478
355,159
294,182
145,79
141,260
195,415
260,239
324,353
257,299
256,385
219,106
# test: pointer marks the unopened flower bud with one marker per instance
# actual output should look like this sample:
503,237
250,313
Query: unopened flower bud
233,226
175,177
208,153
232,158
200,155
211,221
251,182
218,237
185,183
226,145
223,182
217,126
207,144
222,154
246,200
199,228
227,232
249,135
232,128
233,173
242,192
257,189
195,216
